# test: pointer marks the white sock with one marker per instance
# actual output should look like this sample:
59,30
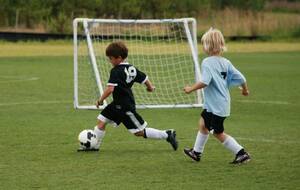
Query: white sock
100,134
231,144
155,133
200,142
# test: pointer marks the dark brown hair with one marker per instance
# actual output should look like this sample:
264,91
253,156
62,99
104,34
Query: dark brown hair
116,49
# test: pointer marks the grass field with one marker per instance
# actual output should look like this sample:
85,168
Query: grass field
39,128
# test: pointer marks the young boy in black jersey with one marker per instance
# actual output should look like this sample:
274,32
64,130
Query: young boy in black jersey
122,108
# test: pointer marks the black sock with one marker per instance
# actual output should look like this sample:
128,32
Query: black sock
145,136
241,152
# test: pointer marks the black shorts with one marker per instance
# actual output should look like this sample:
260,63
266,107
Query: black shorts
130,118
213,122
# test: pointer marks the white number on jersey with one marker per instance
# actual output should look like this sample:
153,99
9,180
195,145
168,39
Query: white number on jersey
130,74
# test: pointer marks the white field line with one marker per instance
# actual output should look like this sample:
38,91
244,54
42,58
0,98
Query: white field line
13,79
264,102
37,103
280,141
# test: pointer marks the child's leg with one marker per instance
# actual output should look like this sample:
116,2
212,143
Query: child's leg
241,156
136,125
152,133
169,135
202,137
108,115
100,132
229,142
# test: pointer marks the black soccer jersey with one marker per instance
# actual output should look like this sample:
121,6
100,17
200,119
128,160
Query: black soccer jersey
122,77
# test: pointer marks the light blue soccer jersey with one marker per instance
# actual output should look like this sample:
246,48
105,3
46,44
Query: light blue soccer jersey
219,74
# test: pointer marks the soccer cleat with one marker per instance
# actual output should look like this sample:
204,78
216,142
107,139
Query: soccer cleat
241,158
83,149
192,154
172,138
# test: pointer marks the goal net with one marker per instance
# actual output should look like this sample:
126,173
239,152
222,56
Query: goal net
166,50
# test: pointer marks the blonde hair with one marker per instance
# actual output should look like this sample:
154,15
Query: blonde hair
213,42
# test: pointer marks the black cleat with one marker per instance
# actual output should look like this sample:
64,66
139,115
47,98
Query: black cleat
196,156
241,158
81,149
172,138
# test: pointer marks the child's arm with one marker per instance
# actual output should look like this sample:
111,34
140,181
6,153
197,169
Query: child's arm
236,78
150,87
143,79
204,81
106,93
196,86
245,90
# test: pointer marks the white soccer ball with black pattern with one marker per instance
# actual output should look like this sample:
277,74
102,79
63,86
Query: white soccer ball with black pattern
87,139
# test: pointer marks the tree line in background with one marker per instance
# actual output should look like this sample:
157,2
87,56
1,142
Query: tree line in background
56,16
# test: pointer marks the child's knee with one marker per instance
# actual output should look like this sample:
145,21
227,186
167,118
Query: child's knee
203,129
220,136
139,134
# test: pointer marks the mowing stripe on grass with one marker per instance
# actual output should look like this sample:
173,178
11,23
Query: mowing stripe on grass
272,141
68,101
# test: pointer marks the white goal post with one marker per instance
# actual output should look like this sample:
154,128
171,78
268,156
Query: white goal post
165,49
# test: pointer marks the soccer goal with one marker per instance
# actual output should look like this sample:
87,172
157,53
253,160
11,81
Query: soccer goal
165,49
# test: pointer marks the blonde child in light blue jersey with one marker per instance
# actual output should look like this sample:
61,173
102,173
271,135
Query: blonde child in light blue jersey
217,75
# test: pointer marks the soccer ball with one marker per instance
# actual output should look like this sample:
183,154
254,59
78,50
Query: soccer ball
87,138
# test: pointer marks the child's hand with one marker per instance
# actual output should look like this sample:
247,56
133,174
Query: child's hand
99,103
245,92
150,89
187,89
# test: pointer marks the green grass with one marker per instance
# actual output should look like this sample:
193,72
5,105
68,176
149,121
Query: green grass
39,129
